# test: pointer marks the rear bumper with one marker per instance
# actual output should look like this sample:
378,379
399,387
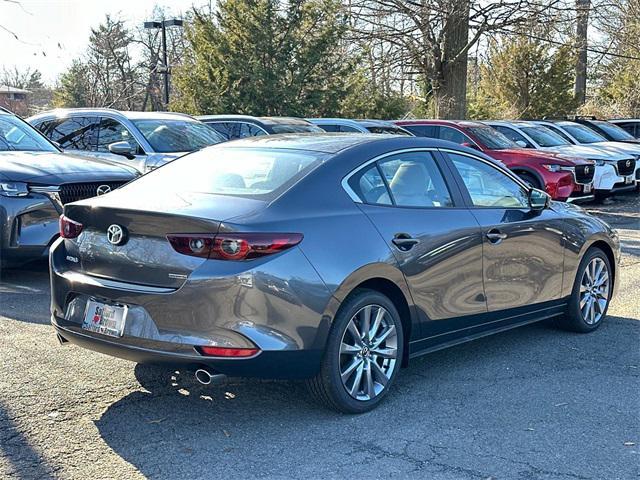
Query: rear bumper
296,364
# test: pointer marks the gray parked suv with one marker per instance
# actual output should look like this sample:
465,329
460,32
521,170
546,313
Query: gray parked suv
144,140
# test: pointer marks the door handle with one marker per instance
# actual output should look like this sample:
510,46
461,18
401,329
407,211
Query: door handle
495,236
404,241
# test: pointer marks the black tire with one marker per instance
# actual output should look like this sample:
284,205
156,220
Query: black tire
327,386
601,195
530,180
574,320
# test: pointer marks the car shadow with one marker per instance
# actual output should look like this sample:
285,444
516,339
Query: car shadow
180,429
25,294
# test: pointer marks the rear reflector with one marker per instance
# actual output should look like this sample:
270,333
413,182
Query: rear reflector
227,352
69,228
233,246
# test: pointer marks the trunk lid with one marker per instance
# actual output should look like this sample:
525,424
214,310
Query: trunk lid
145,256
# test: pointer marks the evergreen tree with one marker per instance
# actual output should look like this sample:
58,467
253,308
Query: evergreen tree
265,57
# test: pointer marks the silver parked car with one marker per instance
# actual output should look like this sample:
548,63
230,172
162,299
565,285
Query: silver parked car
332,257
144,140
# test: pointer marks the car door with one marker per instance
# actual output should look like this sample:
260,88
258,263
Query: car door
435,239
522,248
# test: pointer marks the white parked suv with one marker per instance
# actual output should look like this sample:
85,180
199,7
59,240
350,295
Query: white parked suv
614,170
144,140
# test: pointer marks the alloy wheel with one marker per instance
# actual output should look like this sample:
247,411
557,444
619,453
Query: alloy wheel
368,352
594,291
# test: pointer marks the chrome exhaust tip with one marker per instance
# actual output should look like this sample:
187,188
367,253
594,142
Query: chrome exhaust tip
206,377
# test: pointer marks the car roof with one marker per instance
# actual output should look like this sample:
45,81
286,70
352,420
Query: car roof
63,112
262,120
506,123
367,122
336,121
331,143
460,123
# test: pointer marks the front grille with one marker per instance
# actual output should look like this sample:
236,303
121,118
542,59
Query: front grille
72,192
584,173
626,167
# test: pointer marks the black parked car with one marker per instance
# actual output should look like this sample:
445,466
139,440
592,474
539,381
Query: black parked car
608,130
36,181
241,126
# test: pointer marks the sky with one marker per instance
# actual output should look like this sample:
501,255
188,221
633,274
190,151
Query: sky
51,33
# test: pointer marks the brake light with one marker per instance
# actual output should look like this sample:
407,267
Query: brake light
233,246
227,352
69,228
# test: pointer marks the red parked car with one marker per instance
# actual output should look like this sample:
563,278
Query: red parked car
562,177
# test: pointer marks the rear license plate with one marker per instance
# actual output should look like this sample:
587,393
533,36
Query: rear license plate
105,319
587,188
628,180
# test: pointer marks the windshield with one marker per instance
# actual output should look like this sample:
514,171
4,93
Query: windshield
544,136
295,128
388,130
582,134
615,132
492,138
20,136
173,136
250,172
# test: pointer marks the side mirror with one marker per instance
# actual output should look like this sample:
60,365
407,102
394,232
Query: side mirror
122,148
470,145
522,144
538,200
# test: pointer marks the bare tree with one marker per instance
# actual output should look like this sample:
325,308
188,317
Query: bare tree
434,37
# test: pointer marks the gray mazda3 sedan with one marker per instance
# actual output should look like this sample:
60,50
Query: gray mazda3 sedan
333,258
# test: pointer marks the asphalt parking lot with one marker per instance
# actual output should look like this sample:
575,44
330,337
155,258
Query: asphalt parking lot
532,403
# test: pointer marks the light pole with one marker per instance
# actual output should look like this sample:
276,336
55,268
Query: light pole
165,69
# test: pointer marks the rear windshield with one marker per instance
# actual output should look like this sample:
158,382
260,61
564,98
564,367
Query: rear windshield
544,137
247,172
295,128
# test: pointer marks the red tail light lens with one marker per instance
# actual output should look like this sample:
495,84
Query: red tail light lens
227,352
69,228
233,246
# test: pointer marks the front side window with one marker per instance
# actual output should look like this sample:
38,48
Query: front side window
17,135
545,137
414,180
487,185
583,134
112,131
73,133
175,136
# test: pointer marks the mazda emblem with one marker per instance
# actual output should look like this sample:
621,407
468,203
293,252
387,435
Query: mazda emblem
102,189
115,235
586,169
628,164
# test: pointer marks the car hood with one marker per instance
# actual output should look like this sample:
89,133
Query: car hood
55,168
621,147
549,157
591,152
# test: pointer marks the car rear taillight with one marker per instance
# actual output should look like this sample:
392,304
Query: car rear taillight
233,246
227,352
69,228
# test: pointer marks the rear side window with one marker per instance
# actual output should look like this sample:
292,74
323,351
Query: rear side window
247,172
430,131
409,179
74,133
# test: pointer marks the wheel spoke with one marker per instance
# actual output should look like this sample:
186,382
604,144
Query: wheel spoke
583,300
350,369
346,349
376,323
355,388
371,392
385,352
380,375
355,333
604,277
366,322
381,338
